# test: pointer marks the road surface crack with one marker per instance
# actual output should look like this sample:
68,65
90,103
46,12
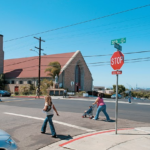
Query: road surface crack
68,148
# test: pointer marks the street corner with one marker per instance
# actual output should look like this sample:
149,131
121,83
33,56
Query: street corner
137,138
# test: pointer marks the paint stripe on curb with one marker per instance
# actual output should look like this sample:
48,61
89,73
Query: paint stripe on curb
101,132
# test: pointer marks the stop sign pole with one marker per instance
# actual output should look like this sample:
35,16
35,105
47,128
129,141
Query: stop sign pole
116,114
117,61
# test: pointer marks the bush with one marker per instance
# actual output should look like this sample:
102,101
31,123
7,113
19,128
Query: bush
94,93
25,93
107,95
80,93
16,93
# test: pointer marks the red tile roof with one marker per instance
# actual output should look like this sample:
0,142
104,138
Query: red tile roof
28,67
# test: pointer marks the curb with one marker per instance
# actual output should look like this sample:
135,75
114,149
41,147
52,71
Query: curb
61,143
88,135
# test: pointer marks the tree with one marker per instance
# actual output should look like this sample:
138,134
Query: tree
53,69
121,88
45,84
24,89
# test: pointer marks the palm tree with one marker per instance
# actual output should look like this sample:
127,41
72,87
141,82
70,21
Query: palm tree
53,69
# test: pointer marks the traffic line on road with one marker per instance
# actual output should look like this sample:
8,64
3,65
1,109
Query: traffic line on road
58,122
143,103
19,100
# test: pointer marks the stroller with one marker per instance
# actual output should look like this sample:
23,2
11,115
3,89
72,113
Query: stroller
89,112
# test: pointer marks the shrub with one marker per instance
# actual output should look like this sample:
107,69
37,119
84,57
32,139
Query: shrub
80,93
25,93
16,93
107,95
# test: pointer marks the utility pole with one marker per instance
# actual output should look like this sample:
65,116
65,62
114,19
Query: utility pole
39,75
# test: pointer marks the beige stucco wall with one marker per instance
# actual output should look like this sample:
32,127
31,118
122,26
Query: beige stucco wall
69,73
11,87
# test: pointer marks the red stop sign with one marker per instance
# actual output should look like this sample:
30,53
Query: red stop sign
117,60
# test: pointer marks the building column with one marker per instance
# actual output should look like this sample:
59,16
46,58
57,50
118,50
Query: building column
1,55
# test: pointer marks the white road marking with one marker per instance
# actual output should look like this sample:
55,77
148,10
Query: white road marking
58,122
143,103
19,100
107,101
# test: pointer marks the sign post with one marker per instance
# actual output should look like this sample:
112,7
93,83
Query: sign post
117,61
116,114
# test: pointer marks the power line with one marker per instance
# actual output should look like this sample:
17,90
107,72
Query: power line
107,63
62,37
125,63
81,22
81,57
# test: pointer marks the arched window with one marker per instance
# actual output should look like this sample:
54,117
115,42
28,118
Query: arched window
12,82
20,82
78,78
29,82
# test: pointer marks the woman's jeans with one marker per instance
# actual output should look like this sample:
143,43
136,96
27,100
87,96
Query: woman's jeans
103,109
48,119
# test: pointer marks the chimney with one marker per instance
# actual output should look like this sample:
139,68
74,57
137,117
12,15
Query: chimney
1,55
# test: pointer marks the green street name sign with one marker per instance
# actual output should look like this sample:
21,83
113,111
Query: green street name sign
119,41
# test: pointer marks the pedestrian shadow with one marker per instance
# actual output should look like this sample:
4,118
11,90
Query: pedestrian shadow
111,120
61,137
64,137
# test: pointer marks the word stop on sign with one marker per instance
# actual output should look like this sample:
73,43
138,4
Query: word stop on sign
117,60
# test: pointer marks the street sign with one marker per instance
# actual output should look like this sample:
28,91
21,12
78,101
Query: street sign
116,72
119,41
118,47
117,60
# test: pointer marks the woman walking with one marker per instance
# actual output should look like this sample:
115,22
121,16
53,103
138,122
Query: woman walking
48,108
101,106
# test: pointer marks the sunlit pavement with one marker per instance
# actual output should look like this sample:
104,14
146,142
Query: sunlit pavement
23,118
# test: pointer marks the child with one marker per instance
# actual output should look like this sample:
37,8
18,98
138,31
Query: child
88,112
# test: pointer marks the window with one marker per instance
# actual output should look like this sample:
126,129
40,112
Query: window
29,82
7,82
20,82
12,82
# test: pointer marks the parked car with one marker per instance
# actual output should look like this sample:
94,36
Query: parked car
114,96
4,93
6,142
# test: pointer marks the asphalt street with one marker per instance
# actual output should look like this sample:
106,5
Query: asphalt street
23,118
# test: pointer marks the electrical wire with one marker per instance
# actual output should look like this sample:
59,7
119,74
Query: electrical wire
81,22
107,63
82,57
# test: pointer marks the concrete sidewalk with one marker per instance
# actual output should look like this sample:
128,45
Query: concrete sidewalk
126,139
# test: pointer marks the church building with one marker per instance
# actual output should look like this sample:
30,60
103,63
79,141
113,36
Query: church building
24,71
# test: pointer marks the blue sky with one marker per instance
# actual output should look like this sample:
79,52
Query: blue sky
20,18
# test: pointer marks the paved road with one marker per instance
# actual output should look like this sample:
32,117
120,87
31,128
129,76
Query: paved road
25,129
